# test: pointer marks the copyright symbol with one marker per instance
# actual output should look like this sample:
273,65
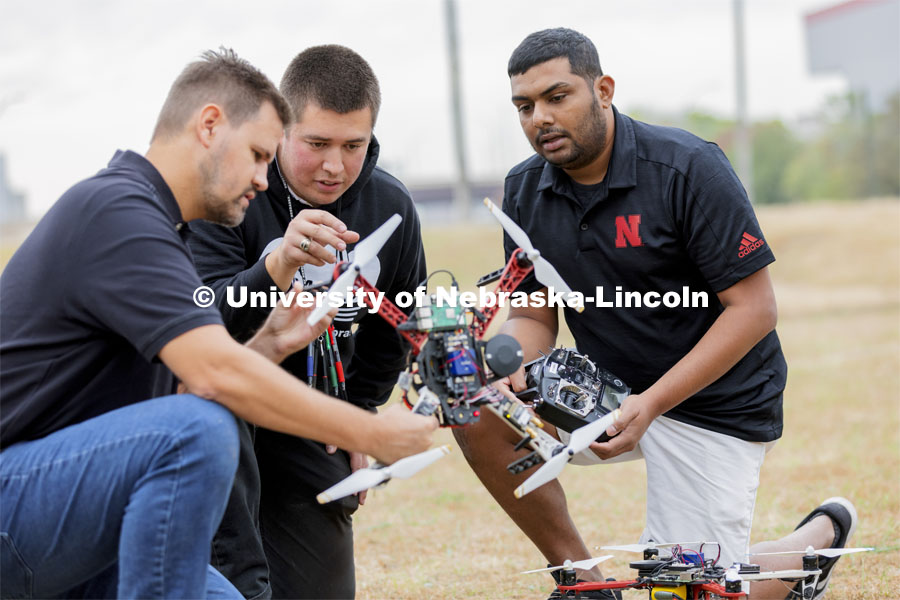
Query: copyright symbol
204,296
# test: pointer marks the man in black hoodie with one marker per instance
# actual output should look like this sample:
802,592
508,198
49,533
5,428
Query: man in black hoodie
325,193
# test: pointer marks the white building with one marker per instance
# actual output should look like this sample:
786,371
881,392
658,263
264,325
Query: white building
860,40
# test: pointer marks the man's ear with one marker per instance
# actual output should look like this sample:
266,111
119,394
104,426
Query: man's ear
605,88
210,118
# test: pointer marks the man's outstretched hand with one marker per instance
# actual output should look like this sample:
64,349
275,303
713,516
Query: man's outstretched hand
633,421
286,331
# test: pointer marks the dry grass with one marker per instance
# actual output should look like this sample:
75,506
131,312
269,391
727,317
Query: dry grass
11,236
440,535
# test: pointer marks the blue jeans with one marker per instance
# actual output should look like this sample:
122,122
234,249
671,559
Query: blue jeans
124,504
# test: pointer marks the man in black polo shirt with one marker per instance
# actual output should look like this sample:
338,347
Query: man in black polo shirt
101,488
625,206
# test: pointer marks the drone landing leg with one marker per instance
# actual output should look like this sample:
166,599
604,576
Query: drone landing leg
542,515
520,419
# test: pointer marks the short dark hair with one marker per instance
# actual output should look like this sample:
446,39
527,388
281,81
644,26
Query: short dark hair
334,77
541,46
224,78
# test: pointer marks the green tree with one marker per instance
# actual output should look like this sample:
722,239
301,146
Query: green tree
856,155
774,147
885,158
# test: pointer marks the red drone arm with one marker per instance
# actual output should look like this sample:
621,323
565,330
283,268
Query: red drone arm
393,315
696,588
516,270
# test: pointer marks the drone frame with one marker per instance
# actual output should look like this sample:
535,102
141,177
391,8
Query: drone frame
511,411
466,409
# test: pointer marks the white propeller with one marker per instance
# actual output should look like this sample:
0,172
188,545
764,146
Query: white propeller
543,270
826,552
581,438
588,563
378,473
628,547
365,251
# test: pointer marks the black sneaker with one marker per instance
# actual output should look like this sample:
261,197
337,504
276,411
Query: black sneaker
843,516
585,595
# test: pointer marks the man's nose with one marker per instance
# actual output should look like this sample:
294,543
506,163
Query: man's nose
260,177
334,161
542,116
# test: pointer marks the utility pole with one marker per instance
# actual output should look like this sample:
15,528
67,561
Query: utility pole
743,145
461,189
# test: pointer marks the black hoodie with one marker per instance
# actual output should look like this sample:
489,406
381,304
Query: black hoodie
375,354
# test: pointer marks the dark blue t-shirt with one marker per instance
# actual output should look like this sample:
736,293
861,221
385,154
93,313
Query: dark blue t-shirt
103,282
671,213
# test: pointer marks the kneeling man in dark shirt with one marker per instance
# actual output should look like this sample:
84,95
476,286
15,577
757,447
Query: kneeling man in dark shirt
104,492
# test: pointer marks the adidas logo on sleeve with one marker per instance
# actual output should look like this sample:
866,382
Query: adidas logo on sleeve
749,244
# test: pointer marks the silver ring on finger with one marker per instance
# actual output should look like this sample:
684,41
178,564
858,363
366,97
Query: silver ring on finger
304,244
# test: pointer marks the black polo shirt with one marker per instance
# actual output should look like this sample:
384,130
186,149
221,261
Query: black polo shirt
670,214
103,282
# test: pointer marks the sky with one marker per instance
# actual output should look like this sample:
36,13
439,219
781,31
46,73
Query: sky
80,79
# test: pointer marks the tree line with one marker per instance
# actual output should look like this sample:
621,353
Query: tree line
844,152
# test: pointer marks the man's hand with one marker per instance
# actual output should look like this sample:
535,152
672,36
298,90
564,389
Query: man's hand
401,433
305,241
357,461
509,386
517,380
633,421
286,331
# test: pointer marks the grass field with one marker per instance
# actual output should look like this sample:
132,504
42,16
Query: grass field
837,278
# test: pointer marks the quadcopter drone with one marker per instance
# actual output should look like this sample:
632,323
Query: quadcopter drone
451,368
684,574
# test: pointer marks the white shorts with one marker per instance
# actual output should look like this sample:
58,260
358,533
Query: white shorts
701,486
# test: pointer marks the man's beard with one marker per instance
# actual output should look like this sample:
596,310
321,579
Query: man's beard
586,144
224,212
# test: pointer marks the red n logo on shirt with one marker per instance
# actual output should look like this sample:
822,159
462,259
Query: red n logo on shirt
628,231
